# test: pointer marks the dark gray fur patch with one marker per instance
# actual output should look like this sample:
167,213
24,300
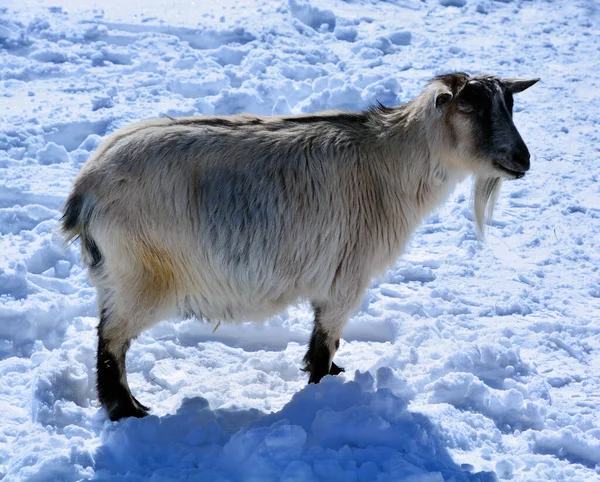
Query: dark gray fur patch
93,251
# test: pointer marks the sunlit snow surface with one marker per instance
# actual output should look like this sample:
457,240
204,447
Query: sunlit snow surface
466,361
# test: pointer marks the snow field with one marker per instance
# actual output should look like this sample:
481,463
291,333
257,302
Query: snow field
464,362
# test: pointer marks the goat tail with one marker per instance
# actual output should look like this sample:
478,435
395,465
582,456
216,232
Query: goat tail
75,222
76,216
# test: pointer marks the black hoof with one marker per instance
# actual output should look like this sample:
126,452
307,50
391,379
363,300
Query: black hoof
147,409
125,410
317,375
335,370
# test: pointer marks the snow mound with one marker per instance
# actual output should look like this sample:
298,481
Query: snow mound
508,408
570,443
52,154
380,439
314,17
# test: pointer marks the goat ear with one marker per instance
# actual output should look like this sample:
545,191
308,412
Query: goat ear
442,97
518,85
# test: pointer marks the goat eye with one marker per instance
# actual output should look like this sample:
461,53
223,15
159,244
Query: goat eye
466,108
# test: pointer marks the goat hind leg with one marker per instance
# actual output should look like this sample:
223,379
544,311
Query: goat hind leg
113,389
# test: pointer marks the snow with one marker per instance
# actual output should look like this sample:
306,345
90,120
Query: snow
466,361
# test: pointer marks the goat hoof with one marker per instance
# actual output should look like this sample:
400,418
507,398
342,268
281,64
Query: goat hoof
122,410
315,376
140,405
335,370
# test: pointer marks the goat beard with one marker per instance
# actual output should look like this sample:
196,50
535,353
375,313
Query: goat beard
485,194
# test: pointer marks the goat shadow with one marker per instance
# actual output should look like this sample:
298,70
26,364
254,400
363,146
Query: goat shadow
333,431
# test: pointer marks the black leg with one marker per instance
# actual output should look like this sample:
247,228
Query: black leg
113,391
318,357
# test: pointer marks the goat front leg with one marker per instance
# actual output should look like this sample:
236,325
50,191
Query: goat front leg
324,342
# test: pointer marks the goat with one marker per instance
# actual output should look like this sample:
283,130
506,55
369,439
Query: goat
234,218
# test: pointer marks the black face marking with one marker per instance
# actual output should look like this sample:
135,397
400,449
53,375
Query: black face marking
113,395
478,96
489,105
509,101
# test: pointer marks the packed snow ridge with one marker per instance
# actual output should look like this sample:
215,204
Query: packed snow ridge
466,361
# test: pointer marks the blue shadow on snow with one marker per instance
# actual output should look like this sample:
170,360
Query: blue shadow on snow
332,431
